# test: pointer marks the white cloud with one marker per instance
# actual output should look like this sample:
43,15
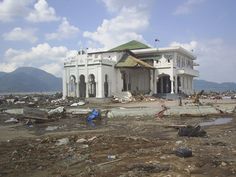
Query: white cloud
126,26
189,46
53,68
117,5
9,9
187,7
42,13
7,67
41,56
19,34
65,30
216,59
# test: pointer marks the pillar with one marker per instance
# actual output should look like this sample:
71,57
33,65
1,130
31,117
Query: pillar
192,84
176,84
86,76
77,79
155,79
64,85
172,85
99,83
151,81
77,89
182,84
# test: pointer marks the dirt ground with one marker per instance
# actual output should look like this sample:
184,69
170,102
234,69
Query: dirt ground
124,147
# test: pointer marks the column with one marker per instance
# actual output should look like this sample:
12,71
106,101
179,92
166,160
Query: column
182,83
99,83
87,85
192,85
77,79
151,81
155,79
172,85
86,75
176,84
64,87
189,87
68,81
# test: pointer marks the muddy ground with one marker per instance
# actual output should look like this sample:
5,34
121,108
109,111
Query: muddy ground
124,147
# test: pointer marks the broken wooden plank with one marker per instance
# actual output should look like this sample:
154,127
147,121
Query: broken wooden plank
175,126
109,162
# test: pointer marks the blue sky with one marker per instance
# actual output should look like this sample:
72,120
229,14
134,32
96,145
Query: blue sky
42,33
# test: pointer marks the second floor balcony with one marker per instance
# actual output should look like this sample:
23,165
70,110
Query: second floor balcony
188,71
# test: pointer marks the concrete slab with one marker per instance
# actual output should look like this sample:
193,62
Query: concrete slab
191,110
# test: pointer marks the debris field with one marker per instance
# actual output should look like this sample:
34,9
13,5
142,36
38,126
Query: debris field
129,146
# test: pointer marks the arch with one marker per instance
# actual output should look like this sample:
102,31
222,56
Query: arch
72,86
164,84
91,86
106,86
82,86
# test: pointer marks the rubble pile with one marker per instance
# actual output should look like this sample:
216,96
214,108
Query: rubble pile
192,131
219,95
44,135
126,97
122,97
118,153
31,100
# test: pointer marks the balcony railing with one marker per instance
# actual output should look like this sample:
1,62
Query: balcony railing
189,71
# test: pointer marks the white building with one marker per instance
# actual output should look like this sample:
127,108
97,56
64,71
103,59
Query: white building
133,67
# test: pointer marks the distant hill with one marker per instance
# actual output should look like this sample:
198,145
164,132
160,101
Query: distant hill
2,73
29,79
213,86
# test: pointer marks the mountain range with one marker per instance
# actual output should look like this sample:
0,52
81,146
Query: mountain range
213,86
29,79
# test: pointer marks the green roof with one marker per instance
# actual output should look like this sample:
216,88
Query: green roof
130,46
129,61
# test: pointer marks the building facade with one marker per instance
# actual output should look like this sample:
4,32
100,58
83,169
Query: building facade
133,67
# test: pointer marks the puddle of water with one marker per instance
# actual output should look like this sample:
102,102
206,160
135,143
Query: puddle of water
218,121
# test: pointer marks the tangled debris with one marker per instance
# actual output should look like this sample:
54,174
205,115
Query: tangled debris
126,97
192,131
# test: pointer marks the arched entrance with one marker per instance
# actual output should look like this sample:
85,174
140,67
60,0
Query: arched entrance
91,86
106,87
82,86
72,86
164,84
